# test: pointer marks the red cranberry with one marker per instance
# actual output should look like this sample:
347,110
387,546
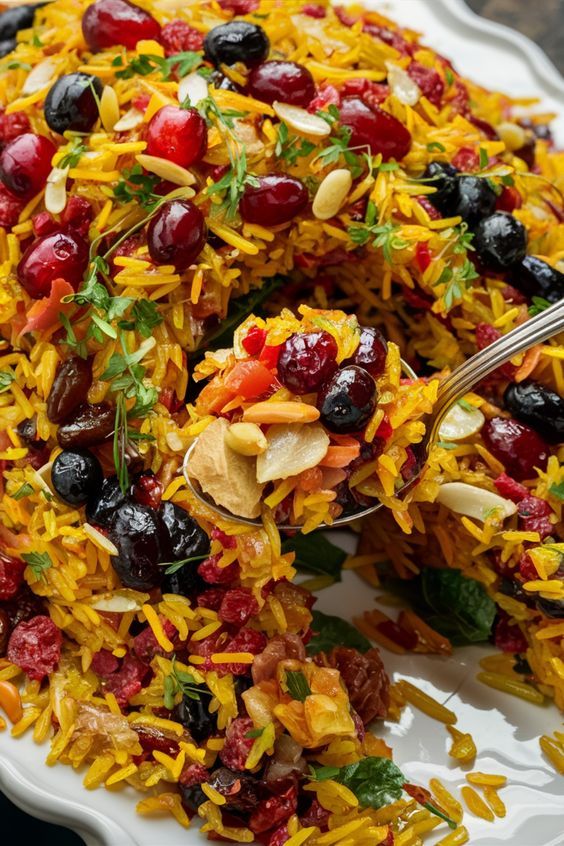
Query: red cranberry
44,223
307,361
431,85
371,93
246,640
509,488
253,342
314,10
237,606
467,160
176,234
277,199
77,214
375,128
237,744
179,135
57,255
10,207
534,516
286,81
371,351
527,568
110,22
11,575
517,446
25,164
327,95
214,575
178,37
12,126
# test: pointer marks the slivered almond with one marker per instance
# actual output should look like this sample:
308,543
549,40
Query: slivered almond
109,108
281,412
40,76
474,502
166,170
193,86
402,86
301,120
130,120
332,193
460,423
56,190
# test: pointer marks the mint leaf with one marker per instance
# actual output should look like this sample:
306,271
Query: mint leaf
297,685
316,554
374,781
330,631
37,562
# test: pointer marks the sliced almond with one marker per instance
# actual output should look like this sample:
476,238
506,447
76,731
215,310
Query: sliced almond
281,412
130,120
291,450
40,76
119,601
460,423
193,86
474,502
166,170
100,540
56,190
109,108
332,193
301,121
223,474
246,438
402,86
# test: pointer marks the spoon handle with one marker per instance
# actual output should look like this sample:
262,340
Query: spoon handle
534,331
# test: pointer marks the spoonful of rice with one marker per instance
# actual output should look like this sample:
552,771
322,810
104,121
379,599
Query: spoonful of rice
320,420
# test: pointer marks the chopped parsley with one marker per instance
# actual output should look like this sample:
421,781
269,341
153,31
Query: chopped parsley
254,733
73,156
484,158
6,379
143,65
291,147
137,186
25,490
37,562
434,145
456,281
384,236
233,184
179,681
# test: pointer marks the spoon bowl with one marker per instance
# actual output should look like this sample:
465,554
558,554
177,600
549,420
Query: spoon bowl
535,331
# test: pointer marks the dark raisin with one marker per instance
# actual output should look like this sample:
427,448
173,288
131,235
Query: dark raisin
70,388
89,425
195,716
5,631
241,792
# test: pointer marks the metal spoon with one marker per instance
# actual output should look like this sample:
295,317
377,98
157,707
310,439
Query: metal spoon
534,331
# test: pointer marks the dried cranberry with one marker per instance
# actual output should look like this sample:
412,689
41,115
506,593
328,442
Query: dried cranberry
69,389
313,10
237,744
128,680
11,575
277,199
517,446
104,663
534,514
77,214
508,487
193,774
466,160
512,295
246,640
286,81
151,740
274,810
527,569
307,361
371,93
146,645
509,199
5,629
179,37
371,351
375,129
429,81
211,598
422,255
178,135
25,164
279,836
147,490
215,575
486,335
237,606
239,7
177,234
110,22
327,95
508,637
315,815
23,606
44,223
12,126
10,207
35,647
426,204
58,255
253,342
240,791
389,36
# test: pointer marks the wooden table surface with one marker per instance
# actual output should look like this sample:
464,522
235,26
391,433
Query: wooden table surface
544,23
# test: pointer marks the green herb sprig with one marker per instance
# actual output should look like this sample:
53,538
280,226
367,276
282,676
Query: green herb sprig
38,563
179,681
378,235
297,685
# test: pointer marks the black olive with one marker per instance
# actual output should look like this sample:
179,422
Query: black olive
443,177
348,400
475,199
75,475
71,103
12,20
539,407
500,241
536,278
6,46
236,41
195,716
192,797
553,608
241,791
104,501
185,540
137,531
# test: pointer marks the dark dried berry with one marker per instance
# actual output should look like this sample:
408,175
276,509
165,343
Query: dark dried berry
517,446
236,41
237,606
371,351
69,389
5,630
89,425
237,744
500,241
553,608
537,406
75,475
241,792
475,199
104,502
536,278
23,606
443,177
137,532
11,575
192,797
348,401
195,716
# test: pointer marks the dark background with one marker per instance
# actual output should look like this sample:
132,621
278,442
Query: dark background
544,23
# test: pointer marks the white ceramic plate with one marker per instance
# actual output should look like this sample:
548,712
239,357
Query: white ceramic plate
505,729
